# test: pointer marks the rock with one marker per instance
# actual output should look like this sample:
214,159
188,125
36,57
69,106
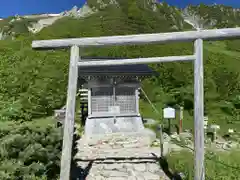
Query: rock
131,172
186,135
230,131
140,178
132,178
2,35
101,4
226,146
113,2
214,127
36,27
150,176
182,175
116,178
73,12
175,136
118,174
84,11
114,166
166,137
220,142
127,165
234,144
99,178
153,168
140,167
230,145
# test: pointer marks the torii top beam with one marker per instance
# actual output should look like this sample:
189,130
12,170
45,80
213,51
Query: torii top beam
213,34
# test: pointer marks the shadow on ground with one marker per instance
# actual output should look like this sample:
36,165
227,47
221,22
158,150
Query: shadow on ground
77,173
165,167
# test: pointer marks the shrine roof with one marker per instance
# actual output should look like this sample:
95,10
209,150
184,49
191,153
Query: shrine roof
131,70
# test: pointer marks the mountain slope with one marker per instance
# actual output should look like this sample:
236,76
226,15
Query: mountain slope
214,16
169,17
34,83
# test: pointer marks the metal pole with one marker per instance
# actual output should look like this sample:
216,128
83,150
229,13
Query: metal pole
114,100
199,112
181,120
169,127
161,139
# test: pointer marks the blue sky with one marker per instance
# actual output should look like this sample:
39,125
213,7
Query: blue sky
22,7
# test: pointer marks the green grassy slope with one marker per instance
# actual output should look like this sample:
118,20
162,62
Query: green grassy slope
33,83
175,84
221,165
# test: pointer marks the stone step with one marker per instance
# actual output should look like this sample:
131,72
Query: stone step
126,171
120,156
145,137
121,153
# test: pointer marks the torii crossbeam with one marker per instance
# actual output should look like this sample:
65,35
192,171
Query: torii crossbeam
197,57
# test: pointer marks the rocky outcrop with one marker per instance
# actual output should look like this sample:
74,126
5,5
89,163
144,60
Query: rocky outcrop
36,27
79,13
1,35
178,18
47,21
40,16
85,11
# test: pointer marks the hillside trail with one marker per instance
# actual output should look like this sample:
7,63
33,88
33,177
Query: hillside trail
119,156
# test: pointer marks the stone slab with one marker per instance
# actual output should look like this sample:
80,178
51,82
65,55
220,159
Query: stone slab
120,156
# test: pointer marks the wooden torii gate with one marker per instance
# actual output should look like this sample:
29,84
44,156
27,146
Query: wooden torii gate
197,58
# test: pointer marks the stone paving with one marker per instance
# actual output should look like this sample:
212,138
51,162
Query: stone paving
119,156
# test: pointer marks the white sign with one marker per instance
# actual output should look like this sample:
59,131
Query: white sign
169,113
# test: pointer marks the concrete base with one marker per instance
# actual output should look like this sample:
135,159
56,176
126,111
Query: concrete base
111,125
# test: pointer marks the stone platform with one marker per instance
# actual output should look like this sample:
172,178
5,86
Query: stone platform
120,156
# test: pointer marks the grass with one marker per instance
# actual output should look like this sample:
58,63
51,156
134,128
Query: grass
220,46
216,117
215,114
148,112
219,166
43,122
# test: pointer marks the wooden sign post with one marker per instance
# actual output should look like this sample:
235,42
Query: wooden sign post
169,113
